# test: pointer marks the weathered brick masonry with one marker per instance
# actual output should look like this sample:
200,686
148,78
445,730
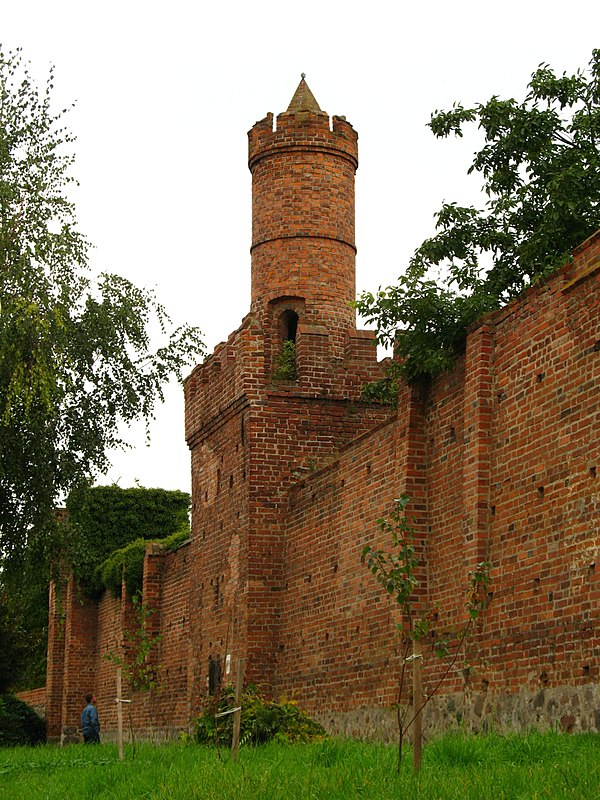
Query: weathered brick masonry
499,457
503,454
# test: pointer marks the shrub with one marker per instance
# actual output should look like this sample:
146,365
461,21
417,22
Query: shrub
19,724
285,363
384,390
262,720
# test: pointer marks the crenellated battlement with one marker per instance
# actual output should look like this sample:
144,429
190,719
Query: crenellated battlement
240,371
305,126
304,130
228,377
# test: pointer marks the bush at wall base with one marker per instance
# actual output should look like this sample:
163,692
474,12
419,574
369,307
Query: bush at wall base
261,721
19,724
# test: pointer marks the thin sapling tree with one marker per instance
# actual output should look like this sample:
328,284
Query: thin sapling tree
396,570
135,661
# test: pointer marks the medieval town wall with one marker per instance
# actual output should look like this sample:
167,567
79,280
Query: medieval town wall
289,475
511,454
500,458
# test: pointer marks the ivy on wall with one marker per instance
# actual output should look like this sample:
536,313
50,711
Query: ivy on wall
127,563
109,527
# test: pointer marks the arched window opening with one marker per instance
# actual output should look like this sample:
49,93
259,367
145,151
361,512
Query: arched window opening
285,362
288,326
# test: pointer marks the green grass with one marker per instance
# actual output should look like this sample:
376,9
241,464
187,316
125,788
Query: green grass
533,767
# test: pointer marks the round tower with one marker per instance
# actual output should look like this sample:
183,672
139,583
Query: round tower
303,251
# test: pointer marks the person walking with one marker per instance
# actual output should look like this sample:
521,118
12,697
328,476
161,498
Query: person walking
90,722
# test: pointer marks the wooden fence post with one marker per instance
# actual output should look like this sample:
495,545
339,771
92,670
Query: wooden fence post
237,715
119,715
417,704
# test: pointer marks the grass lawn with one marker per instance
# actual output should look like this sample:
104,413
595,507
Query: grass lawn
544,767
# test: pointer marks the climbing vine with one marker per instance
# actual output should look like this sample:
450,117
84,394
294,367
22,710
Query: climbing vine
127,564
108,527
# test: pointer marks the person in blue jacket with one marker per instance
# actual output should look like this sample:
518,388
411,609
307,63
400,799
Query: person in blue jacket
90,723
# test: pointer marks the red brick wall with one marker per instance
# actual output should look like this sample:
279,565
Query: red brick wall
250,438
220,492
544,494
171,703
55,664
334,648
507,449
36,698
94,632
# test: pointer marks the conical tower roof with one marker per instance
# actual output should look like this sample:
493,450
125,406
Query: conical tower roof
304,100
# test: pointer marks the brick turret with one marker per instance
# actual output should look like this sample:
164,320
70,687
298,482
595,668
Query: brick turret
252,433
303,250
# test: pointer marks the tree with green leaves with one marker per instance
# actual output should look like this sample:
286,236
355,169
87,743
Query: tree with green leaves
24,620
78,355
540,165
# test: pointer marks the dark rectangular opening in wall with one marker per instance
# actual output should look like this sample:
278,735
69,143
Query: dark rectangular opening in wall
214,674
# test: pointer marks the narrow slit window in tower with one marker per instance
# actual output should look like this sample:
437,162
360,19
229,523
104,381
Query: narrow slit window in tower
288,326
285,361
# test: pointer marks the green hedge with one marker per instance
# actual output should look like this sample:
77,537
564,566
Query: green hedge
19,724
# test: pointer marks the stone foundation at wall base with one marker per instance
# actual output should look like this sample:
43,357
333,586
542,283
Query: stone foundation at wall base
368,724
570,709
148,735
70,735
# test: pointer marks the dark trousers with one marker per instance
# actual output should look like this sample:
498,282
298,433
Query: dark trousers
91,738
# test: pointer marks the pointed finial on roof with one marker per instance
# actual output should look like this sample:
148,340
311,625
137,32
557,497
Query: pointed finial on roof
303,99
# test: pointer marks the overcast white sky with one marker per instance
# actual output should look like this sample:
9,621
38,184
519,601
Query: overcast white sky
165,93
